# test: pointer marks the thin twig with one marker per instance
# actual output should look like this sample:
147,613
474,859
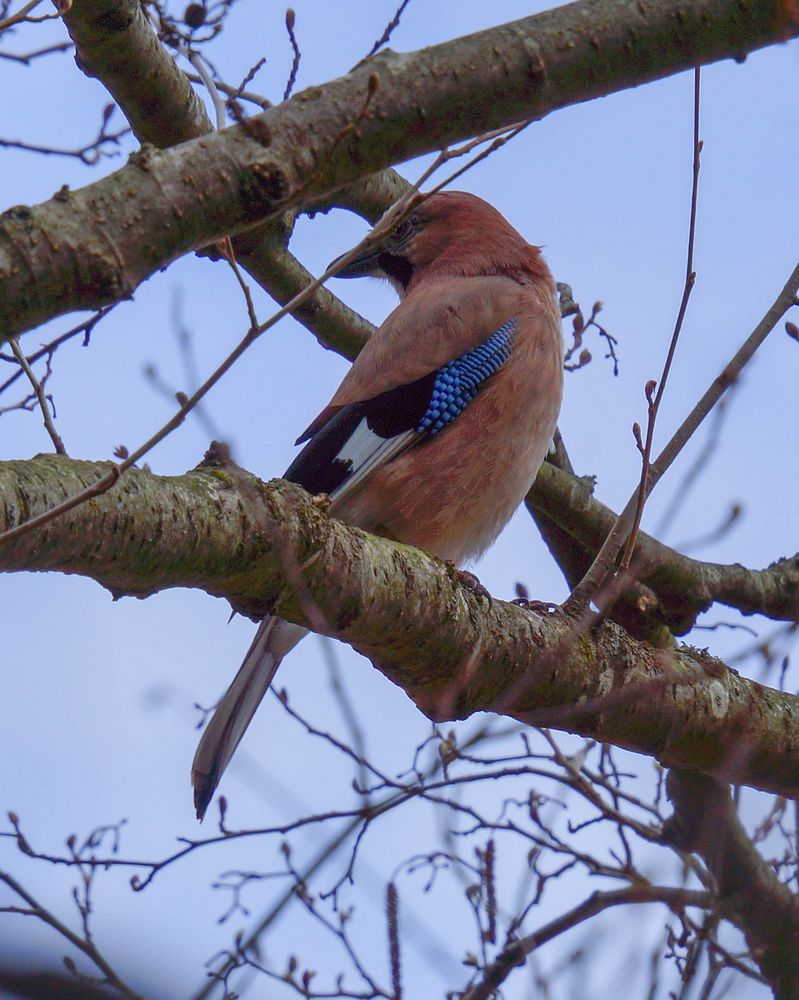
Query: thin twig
21,15
295,63
392,24
38,388
235,93
585,590
84,946
90,154
517,951
228,253
356,733
698,466
654,404
28,57
240,91
502,135
47,350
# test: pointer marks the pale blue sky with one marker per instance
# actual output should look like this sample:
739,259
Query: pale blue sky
96,716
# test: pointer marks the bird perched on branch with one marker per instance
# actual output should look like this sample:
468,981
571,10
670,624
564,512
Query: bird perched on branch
440,425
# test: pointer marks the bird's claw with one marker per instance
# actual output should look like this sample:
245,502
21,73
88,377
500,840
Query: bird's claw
471,582
542,607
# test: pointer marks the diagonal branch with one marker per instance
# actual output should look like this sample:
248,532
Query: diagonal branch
515,953
82,944
602,573
681,587
116,43
751,895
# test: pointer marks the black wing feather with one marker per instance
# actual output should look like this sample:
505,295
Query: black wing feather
318,468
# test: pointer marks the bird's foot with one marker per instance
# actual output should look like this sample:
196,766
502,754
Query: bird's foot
471,582
542,607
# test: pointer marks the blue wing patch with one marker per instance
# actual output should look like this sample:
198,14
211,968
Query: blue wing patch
360,437
457,382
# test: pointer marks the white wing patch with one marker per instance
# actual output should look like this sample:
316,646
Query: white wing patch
365,451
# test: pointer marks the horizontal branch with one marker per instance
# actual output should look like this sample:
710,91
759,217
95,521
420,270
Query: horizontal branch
684,586
90,247
270,547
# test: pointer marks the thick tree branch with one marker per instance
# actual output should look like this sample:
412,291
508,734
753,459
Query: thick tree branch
751,895
264,252
84,249
159,102
684,587
116,43
269,547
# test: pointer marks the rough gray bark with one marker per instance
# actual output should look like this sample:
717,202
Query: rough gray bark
116,43
87,248
751,894
684,587
269,547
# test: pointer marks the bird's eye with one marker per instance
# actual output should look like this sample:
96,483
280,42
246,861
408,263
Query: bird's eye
404,230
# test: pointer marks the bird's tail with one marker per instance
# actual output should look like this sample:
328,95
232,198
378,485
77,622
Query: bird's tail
233,714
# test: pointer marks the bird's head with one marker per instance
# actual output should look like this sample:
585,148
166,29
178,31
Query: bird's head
450,233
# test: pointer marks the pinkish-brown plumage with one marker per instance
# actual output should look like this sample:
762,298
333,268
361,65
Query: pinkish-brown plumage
463,274
453,495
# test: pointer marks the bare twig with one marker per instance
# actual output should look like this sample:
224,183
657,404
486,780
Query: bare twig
295,62
89,154
356,733
84,945
654,403
587,588
697,467
392,24
236,93
516,952
168,392
242,92
28,57
21,15
568,307
44,403
47,350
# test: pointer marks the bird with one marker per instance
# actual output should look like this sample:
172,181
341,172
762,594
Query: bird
441,424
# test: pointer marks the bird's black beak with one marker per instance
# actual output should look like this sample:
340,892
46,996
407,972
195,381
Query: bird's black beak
366,264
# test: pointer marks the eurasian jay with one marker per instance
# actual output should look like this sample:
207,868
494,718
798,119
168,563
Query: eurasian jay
441,424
